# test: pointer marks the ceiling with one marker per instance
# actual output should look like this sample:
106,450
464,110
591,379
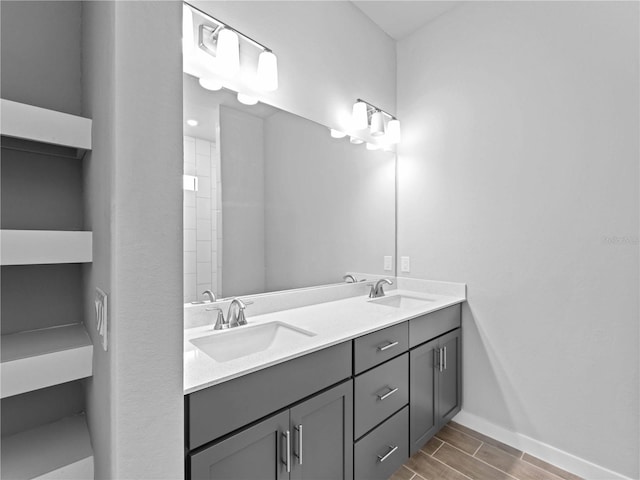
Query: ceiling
400,18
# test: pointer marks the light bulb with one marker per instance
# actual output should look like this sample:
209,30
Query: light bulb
393,131
359,116
210,83
192,123
372,146
228,51
337,133
247,99
267,71
377,124
355,140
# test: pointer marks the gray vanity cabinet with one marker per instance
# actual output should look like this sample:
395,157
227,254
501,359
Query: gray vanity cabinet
310,441
435,384
322,436
252,454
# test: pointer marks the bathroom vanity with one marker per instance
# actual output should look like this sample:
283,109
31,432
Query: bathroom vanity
372,384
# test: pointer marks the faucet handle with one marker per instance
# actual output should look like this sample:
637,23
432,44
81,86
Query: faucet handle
220,323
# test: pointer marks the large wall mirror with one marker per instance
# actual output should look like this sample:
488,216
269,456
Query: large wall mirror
273,202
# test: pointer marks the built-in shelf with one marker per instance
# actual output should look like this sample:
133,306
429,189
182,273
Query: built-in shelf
58,450
42,358
33,247
35,124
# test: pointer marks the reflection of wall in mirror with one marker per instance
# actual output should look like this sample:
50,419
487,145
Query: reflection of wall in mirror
202,225
300,208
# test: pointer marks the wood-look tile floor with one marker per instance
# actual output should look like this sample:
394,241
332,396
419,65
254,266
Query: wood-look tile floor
459,453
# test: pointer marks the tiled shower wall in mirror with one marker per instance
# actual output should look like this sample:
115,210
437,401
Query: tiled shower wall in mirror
202,220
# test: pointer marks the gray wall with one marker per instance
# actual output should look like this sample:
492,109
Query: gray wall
134,93
518,170
329,205
41,54
243,174
98,82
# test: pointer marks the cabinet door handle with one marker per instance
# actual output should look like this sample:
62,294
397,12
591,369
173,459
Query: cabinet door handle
445,357
388,454
441,362
287,449
388,394
299,454
389,345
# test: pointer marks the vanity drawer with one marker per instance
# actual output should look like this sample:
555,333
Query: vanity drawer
379,454
427,327
379,393
377,347
223,408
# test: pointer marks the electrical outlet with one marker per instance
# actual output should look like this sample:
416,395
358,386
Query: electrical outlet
405,264
388,263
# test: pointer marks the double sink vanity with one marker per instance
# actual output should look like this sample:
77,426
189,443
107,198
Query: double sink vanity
346,388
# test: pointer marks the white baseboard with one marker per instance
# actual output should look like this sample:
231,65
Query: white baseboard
555,456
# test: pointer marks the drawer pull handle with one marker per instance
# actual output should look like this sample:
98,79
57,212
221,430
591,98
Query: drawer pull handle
388,394
389,453
382,348
287,458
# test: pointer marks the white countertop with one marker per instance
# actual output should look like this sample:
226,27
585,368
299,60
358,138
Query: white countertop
333,322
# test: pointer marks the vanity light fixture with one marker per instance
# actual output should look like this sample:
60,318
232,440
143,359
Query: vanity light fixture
192,123
365,115
221,43
356,140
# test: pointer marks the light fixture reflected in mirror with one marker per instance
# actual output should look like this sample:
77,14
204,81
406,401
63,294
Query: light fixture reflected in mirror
209,83
247,99
337,133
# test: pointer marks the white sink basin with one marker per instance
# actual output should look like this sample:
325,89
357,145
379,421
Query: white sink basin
246,340
401,301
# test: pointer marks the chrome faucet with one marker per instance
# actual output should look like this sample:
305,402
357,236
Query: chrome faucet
348,278
235,315
210,294
377,288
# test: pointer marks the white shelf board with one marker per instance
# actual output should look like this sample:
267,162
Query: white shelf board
58,450
27,122
32,247
42,358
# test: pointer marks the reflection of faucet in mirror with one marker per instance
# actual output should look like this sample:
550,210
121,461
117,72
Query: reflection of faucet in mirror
348,278
377,289
210,294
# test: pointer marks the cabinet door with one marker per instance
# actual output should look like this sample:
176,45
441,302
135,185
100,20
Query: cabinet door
256,453
422,400
322,436
449,379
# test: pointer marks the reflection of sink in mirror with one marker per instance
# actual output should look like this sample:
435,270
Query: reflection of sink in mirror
244,341
402,301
